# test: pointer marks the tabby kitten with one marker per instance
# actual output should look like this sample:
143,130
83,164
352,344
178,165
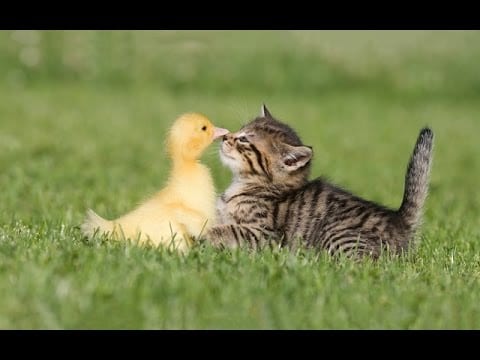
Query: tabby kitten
271,201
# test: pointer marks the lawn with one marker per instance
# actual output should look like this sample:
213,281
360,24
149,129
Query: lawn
83,117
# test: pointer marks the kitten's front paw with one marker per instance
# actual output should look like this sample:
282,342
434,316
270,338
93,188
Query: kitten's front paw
213,236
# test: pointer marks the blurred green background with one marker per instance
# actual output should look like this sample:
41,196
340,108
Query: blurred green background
83,116
306,63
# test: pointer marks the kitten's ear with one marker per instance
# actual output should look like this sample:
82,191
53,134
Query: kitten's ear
264,112
295,157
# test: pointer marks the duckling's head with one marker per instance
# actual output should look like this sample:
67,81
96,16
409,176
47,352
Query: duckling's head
190,135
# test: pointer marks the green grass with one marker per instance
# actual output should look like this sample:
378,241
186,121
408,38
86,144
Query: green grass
82,123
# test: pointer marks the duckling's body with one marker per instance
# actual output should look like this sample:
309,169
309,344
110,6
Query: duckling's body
185,207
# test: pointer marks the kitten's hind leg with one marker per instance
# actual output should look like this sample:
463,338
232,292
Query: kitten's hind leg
355,245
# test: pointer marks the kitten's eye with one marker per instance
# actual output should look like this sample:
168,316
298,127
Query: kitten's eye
243,139
204,128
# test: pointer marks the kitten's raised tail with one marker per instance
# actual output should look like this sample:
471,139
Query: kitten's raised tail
94,223
417,179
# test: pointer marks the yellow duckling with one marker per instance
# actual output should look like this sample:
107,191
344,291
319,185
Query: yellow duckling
185,207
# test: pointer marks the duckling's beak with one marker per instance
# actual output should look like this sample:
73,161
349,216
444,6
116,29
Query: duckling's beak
219,132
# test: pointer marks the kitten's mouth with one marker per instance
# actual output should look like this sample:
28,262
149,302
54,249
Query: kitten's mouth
223,152
225,155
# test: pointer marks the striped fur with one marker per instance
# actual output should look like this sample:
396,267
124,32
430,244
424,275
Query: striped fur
271,202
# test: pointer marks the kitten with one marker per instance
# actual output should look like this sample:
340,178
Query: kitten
271,201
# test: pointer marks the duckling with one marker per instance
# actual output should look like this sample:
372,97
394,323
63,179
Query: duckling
185,207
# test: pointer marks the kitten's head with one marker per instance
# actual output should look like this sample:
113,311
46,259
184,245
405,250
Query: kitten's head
268,149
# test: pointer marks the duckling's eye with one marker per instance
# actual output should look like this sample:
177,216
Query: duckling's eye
243,139
204,128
